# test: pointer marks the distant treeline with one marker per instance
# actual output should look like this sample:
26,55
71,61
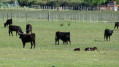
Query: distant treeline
57,3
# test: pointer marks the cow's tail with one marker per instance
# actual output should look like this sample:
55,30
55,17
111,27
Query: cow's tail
9,30
55,38
33,35
104,35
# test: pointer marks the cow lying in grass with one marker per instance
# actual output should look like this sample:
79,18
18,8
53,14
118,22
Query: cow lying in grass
91,49
8,22
14,28
107,33
64,36
27,38
77,49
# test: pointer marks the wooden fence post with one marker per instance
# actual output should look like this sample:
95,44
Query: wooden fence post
11,15
26,17
7,15
3,17
48,16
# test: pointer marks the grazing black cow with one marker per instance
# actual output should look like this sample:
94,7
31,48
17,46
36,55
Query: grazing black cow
14,28
107,33
27,38
8,22
28,28
77,49
116,25
64,36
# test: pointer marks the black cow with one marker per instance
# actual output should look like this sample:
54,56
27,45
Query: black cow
27,38
77,49
91,49
28,28
64,36
116,25
107,33
8,22
87,49
14,28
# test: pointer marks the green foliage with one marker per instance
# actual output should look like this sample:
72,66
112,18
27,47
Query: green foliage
94,2
61,2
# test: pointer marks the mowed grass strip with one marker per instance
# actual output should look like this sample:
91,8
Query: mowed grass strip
47,54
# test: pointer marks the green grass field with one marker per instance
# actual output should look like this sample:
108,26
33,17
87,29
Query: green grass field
47,54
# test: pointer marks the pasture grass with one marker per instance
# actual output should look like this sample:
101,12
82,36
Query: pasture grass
47,54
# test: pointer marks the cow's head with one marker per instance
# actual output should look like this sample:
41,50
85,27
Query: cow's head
111,32
21,36
4,24
68,35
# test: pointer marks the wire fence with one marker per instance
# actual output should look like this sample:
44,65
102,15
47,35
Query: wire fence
73,16
79,8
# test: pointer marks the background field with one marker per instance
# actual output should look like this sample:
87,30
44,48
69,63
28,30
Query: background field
47,54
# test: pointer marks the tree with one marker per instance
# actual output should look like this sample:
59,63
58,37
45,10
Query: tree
94,2
23,2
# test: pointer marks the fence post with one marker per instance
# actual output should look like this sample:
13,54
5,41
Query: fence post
3,17
90,17
7,15
48,16
11,15
52,15
79,17
76,17
26,17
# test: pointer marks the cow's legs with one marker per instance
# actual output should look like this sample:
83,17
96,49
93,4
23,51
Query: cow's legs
31,45
109,38
23,45
117,27
34,43
12,33
104,37
9,33
70,42
16,33
56,40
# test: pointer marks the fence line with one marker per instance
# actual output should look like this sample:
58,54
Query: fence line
79,8
76,16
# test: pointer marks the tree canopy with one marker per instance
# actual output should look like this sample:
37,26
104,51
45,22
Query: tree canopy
96,2
61,2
